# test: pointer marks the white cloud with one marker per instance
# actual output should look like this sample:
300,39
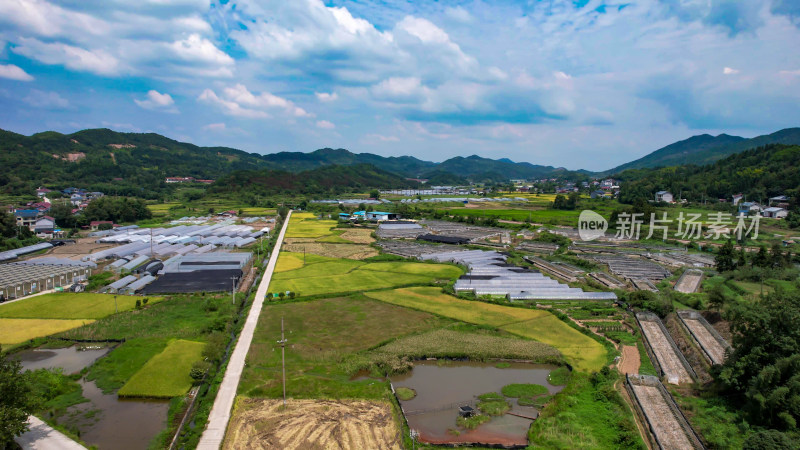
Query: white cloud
237,100
325,125
13,72
198,49
729,71
326,97
157,101
458,14
95,61
381,138
215,127
45,100
229,107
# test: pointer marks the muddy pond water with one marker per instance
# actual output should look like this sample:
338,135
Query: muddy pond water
442,387
105,421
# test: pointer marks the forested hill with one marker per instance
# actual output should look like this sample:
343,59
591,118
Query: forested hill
104,160
324,181
705,149
760,173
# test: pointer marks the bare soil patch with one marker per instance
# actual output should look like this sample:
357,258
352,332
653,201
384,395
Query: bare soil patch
83,247
358,236
630,362
312,424
348,251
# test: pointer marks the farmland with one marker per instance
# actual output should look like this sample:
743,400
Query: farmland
579,350
321,275
305,225
16,331
303,424
70,306
321,333
165,375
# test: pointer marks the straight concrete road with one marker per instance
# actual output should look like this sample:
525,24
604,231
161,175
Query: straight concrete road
41,436
221,411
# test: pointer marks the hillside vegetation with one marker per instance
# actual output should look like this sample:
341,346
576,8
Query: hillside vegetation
760,173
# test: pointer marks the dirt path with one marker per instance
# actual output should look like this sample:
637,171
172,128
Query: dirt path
312,424
629,362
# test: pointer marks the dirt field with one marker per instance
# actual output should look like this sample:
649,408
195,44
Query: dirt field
630,362
82,247
348,251
311,424
358,236
670,362
666,428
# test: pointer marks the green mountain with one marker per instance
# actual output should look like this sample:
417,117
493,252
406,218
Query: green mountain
327,180
759,173
705,149
475,166
104,160
299,161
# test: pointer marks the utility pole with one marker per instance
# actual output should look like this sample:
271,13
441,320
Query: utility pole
283,361
233,290
151,242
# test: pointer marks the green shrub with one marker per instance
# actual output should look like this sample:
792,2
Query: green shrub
523,390
404,393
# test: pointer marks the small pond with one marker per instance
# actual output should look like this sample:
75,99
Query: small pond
442,386
105,421
71,359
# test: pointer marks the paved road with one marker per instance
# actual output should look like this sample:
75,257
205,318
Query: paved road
221,411
41,436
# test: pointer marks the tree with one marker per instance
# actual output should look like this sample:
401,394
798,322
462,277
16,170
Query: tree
776,258
62,213
742,260
764,366
16,401
767,440
716,297
376,194
761,259
724,258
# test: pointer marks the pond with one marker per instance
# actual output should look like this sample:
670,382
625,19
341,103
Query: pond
71,359
442,386
105,421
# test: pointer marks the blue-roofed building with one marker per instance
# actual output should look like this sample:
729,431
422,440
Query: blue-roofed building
26,217
379,216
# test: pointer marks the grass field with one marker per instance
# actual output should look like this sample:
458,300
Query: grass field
184,317
322,275
16,331
321,333
579,350
70,306
165,375
115,369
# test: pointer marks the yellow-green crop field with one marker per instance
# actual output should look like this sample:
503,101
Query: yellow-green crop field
579,350
16,331
165,375
306,225
69,305
323,275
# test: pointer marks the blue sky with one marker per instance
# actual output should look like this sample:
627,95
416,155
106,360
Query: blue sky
577,84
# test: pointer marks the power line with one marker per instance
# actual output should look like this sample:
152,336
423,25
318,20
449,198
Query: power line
283,360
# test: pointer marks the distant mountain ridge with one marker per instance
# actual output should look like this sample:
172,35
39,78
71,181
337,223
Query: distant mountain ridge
102,157
706,149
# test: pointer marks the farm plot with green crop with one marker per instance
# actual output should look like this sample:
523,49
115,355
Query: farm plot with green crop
579,350
165,375
68,305
321,275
